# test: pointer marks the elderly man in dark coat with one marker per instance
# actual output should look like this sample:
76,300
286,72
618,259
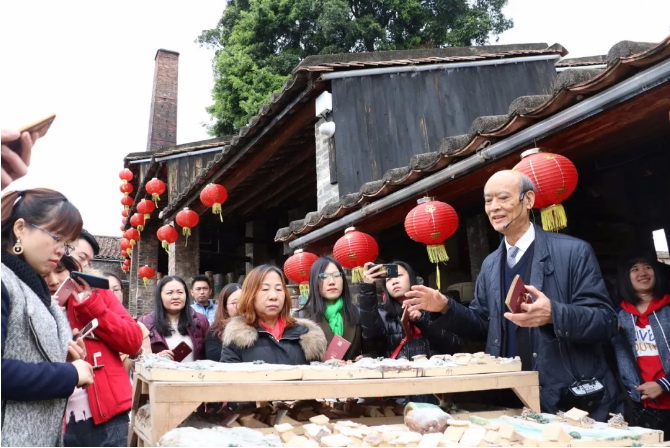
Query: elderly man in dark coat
562,334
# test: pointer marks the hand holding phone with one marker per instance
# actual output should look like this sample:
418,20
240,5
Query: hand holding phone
388,270
65,291
92,325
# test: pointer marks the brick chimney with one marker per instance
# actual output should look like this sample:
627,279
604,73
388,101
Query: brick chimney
163,115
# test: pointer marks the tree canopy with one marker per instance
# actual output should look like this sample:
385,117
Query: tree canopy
259,42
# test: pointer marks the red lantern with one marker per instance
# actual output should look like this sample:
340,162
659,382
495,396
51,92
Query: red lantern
137,220
124,253
125,268
167,235
125,212
126,175
125,245
213,195
355,249
132,235
126,188
297,269
127,201
187,219
145,206
155,187
147,273
555,179
431,222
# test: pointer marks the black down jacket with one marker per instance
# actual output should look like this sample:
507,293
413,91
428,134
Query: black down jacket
301,343
385,331
565,269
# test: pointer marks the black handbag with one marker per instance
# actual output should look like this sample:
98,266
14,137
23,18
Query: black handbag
586,395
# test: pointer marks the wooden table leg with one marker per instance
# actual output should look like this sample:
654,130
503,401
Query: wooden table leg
166,416
529,396
137,392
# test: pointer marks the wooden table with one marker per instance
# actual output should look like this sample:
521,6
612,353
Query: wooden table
171,402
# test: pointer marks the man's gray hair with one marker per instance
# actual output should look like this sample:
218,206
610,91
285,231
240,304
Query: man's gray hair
526,185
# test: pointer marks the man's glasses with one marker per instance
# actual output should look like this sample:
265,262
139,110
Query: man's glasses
68,248
333,275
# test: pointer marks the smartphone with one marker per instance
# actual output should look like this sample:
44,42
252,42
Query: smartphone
389,271
65,291
92,325
181,351
93,280
40,126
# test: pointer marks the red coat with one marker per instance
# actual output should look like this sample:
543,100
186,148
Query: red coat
117,332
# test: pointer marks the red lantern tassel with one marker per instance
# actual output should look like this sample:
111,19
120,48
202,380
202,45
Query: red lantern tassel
186,231
155,197
146,281
129,251
357,274
304,290
166,246
554,218
437,253
216,209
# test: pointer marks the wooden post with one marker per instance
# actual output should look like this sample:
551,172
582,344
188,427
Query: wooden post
478,242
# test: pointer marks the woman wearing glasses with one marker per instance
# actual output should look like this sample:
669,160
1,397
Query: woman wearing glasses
330,305
41,365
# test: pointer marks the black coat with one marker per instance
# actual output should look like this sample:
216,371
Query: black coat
301,343
566,271
386,332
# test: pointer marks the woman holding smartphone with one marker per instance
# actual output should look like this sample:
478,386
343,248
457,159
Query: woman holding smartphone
41,365
381,323
98,415
330,305
174,325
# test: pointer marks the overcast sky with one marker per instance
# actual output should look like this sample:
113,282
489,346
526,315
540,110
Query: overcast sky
92,63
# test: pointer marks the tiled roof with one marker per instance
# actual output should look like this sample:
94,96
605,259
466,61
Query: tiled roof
109,248
305,84
582,62
570,86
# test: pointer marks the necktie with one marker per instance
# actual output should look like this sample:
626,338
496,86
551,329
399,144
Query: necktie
511,256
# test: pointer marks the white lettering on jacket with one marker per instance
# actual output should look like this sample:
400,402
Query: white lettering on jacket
645,344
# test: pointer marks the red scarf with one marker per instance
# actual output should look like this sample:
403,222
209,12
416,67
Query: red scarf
278,330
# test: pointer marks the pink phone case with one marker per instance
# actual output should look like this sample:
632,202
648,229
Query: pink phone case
65,291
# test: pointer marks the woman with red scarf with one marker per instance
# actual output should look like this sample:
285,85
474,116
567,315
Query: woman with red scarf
264,328
643,344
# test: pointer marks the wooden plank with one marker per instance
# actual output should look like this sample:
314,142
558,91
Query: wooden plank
303,390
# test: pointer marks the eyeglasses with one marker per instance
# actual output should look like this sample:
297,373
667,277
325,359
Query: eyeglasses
68,248
333,275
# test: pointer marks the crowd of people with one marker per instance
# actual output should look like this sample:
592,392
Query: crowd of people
599,353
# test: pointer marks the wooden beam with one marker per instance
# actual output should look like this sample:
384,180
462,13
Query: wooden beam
250,196
229,177
287,186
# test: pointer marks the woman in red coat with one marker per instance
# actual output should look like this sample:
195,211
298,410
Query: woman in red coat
98,415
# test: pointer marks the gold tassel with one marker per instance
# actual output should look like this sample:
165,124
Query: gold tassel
357,274
304,290
437,253
216,209
156,197
166,246
554,218
437,276
146,281
186,231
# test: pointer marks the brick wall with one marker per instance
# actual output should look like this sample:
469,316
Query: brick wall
163,115
325,191
184,258
141,300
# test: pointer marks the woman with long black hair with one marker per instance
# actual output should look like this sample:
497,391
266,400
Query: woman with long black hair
41,365
643,344
331,306
174,321
381,322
